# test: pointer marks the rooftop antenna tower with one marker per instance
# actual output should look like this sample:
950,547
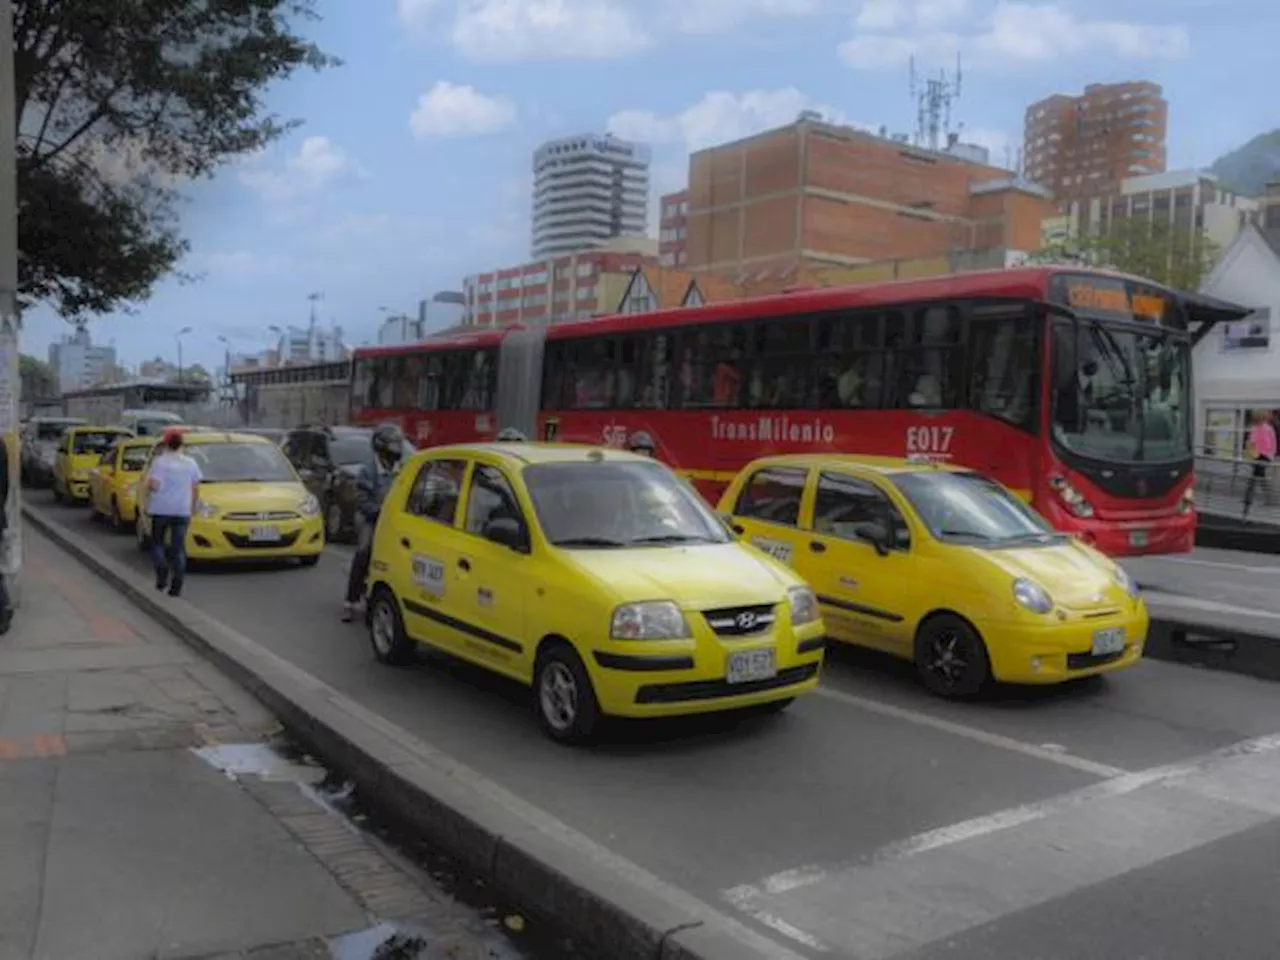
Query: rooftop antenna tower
934,97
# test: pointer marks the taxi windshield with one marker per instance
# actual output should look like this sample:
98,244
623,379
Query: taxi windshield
134,458
94,442
615,503
241,463
969,508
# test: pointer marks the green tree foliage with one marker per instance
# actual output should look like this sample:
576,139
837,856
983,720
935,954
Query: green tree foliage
1178,257
196,373
119,102
37,378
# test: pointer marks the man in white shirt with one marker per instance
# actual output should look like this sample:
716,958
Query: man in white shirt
172,485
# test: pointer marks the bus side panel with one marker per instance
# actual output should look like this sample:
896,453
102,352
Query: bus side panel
710,447
432,428
520,379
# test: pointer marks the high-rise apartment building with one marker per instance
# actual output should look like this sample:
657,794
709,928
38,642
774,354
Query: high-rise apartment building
673,225
78,363
1086,146
586,190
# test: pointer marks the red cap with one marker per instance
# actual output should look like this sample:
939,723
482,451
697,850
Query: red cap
172,437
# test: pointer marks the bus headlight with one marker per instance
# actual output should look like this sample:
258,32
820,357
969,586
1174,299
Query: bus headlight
1075,500
1032,596
1188,501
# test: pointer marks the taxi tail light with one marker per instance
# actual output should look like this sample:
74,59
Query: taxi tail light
1072,498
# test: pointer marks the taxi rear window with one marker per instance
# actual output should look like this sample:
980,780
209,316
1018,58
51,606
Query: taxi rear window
93,442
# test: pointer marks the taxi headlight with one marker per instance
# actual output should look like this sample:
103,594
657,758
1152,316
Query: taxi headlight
309,506
205,510
804,606
651,620
1031,595
1122,577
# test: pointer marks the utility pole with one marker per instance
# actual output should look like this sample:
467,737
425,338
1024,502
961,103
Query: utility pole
10,322
311,333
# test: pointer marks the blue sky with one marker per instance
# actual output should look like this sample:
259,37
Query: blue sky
411,168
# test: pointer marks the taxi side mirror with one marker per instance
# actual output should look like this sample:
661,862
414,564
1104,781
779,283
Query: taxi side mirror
734,528
876,533
509,532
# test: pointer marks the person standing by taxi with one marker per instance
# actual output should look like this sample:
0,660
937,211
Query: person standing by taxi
173,483
371,488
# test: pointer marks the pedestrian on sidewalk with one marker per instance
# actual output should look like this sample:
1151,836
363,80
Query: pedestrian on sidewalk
371,488
173,483
1261,449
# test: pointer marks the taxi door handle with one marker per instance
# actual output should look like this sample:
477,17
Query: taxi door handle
464,564
404,542
817,546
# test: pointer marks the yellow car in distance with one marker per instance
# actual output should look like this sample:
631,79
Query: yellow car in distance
79,451
250,506
595,576
113,483
942,567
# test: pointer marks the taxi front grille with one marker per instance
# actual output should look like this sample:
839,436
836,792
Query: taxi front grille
258,516
241,542
717,689
741,621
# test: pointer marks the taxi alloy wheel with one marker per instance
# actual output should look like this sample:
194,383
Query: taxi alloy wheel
391,645
951,658
563,696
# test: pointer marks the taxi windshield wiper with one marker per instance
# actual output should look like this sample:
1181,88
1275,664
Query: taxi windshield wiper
587,542
676,538
965,533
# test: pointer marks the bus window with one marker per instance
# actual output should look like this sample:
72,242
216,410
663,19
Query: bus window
628,379
431,383
479,373
782,370
362,382
1003,375
404,375
555,376
711,366
929,375
593,374
656,394
848,361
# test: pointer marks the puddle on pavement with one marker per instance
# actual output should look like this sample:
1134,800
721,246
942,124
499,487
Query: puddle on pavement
505,933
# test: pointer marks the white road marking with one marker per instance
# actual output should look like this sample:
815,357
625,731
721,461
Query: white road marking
787,930
1155,600
1054,754
1220,564
941,882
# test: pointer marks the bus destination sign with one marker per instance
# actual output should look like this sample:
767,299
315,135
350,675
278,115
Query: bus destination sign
1116,298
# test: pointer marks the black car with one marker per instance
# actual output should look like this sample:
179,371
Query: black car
328,459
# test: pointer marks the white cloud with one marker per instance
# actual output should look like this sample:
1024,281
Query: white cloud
1010,34
454,110
719,117
547,30
318,163
717,16
414,13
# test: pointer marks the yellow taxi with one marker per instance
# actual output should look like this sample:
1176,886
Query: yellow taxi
595,576
251,504
113,483
940,566
79,451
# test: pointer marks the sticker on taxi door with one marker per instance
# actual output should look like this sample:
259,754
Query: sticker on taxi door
428,574
778,549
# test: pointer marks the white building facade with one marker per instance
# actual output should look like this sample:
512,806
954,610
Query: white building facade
586,190
78,363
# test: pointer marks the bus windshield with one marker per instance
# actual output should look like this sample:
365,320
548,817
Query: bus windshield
1121,394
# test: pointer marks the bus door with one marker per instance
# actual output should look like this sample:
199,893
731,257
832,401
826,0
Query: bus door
520,380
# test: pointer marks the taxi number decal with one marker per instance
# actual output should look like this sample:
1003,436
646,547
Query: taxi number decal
428,574
778,549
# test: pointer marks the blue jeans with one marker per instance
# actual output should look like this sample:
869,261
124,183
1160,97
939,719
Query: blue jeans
170,560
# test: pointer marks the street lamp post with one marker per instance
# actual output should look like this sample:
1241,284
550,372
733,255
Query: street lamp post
181,396
226,372
10,380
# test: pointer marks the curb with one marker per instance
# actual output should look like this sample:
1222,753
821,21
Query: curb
533,861
1228,649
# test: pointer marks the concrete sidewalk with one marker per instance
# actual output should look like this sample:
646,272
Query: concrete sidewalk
143,816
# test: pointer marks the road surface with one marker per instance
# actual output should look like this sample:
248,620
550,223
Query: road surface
1103,819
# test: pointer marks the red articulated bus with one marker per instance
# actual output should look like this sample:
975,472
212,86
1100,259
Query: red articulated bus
1070,386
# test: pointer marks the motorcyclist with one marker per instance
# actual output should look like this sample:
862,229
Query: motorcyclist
372,483
641,443
510,435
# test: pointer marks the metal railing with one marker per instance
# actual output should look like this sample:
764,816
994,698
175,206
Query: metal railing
1223,482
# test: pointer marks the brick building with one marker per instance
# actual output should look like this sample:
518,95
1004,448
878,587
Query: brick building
557,289
815,194
673,223
1087,146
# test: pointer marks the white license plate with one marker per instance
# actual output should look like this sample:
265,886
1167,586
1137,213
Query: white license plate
264,534
748,665
1138,538
1110,640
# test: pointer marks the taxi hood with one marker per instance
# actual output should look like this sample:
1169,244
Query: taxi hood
1073,574
255,496
695,576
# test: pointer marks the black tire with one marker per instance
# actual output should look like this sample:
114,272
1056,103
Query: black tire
391,644
116,521
333,524
951,658
578,719
308,561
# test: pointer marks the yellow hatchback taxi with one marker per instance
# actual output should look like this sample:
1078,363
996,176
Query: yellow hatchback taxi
113,483
251,504
595,576
79,451
940,566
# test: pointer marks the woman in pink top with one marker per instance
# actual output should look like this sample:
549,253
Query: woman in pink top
1261,449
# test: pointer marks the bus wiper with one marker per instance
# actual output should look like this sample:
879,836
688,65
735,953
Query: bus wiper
675,538
587,542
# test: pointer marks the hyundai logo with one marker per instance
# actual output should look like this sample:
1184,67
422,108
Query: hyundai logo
746,620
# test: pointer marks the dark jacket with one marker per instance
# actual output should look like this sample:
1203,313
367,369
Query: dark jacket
372,484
